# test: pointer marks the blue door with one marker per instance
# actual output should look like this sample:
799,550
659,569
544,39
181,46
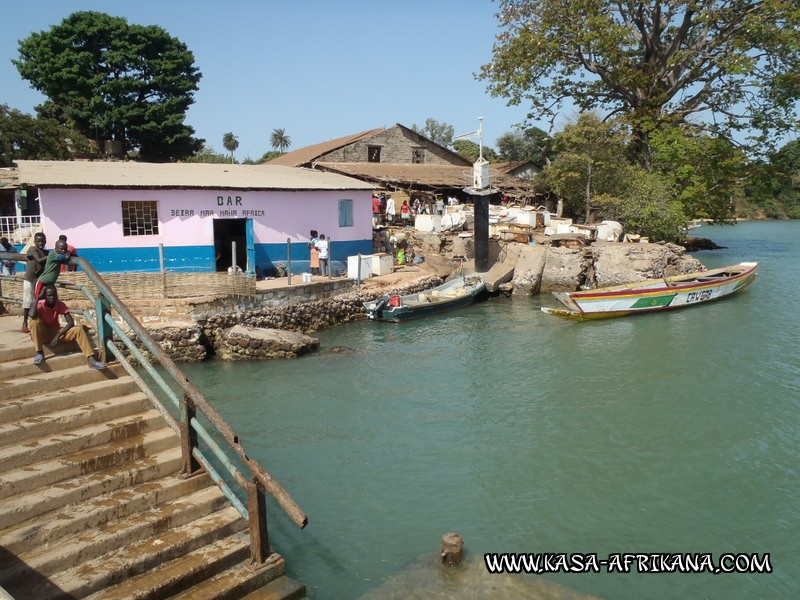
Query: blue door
251,246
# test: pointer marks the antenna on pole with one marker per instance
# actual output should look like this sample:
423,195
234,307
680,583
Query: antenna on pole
480,138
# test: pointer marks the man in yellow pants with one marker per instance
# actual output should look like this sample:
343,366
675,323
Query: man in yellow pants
46,329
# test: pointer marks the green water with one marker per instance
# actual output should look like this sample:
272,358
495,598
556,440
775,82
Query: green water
674,432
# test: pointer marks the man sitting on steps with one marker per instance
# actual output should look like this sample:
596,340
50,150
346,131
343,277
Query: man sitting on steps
45,328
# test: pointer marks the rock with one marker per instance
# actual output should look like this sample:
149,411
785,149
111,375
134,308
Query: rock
562,270
527,279
253,343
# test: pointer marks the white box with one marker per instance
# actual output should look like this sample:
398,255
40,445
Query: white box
353,271
382,264
306,277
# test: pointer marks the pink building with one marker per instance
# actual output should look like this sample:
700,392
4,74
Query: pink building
122,215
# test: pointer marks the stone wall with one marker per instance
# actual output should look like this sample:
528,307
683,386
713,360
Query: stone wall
396,147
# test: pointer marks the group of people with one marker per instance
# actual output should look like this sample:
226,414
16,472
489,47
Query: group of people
319,249
384,205
41,308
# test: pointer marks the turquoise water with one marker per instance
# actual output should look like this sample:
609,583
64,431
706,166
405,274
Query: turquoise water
674,432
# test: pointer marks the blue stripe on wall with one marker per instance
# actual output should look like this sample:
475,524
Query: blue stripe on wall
201,258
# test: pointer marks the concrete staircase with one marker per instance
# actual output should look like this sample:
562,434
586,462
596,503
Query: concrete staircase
92,502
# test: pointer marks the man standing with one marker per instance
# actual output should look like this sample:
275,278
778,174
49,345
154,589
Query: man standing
391,210
36,258
46,329
322,247
376,210
52,267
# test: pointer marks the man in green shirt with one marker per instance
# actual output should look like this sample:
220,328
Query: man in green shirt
52,267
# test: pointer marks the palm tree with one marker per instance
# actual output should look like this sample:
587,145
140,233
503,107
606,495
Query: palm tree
231,143
279,140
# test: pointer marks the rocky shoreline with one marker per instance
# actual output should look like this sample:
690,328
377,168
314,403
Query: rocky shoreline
519,270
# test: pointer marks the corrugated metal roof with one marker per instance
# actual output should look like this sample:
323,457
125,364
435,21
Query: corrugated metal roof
308,154
453,176
8,178
90,174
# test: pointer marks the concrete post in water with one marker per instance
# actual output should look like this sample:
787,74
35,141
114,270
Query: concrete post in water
452,549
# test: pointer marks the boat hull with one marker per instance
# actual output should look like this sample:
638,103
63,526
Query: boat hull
654,295
451,295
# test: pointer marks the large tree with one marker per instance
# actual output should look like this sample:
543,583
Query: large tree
117,81
730,64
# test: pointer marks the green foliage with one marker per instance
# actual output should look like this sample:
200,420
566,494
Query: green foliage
207,155
116,81
772,189
646,205
438,133
231,143
23,137
471,151
590,160
279,140
708,172
655,62
268,156
532,144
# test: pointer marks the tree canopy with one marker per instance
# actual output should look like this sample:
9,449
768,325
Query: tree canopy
23,137
532,144
438,133
117,81
728,64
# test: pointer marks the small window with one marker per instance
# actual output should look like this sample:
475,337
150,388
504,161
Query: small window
345,213
373,154
139,217
418,155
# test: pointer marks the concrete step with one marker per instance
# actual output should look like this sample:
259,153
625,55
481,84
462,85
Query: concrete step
182,573
40,426
45,401
77,519
23,366
24,506
124,563
263,582
28,386
96,537
67,442
282,588
114,454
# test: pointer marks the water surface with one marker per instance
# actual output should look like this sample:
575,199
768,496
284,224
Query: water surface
674,432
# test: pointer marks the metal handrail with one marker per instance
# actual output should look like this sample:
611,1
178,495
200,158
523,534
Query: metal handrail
190,404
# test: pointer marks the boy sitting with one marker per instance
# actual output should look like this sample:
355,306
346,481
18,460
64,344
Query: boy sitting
45,328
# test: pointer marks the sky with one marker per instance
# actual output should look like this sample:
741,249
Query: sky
317,69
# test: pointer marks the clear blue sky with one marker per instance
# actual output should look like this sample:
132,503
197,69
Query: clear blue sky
318,69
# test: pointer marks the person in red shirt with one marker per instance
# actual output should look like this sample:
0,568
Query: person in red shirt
47,330
376,210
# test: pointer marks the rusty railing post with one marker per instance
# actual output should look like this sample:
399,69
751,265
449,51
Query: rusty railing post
257,512
188,436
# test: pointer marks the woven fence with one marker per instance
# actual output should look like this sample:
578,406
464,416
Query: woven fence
131,287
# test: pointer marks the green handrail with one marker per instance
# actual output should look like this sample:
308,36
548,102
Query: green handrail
190,404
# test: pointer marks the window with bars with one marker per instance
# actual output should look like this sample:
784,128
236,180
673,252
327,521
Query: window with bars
139,217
